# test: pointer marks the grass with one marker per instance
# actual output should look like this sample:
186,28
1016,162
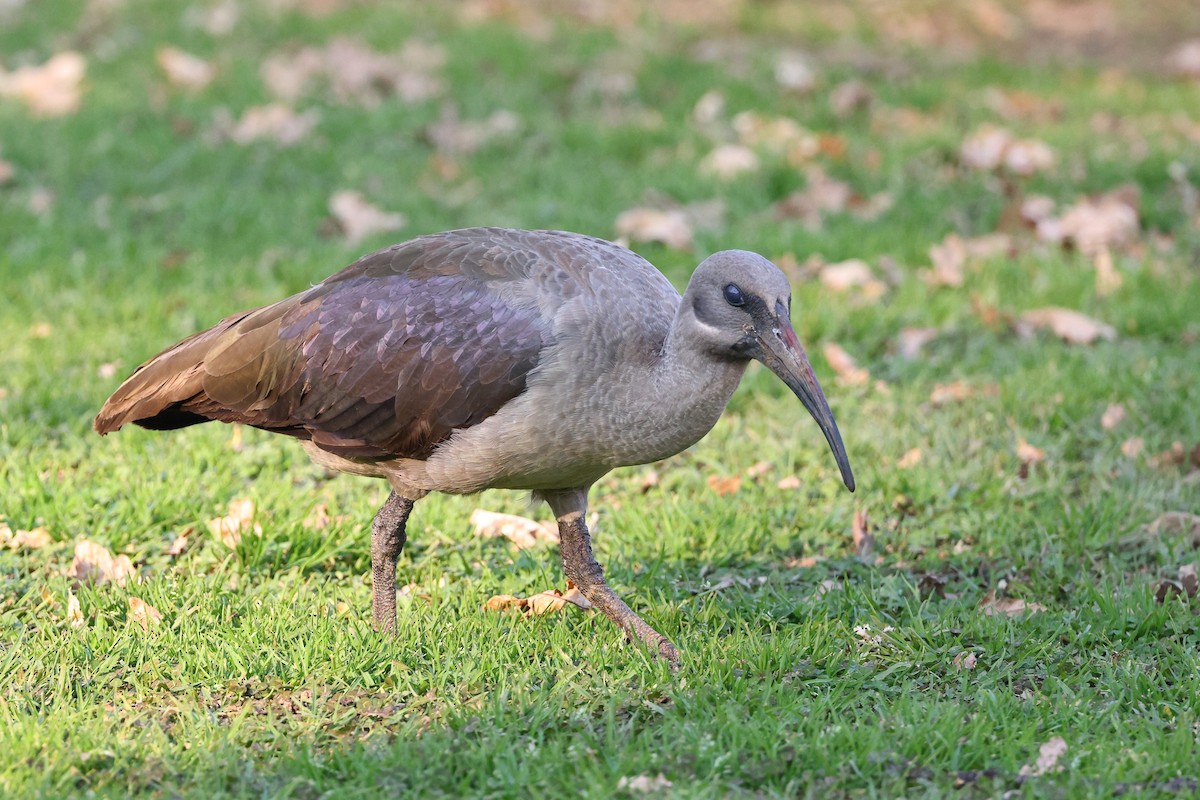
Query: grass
264,679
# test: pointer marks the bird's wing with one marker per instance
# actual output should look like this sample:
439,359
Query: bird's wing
384,359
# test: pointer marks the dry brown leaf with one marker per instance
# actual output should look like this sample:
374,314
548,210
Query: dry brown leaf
455,138
1047,760
951,256
794,72
1029,454
864,541
723,485
180,543
53,89
1173,456
1113,416
958,391
7,171
1175,523
1189,580
74,615
1069,325
850,274
357,74
1011,606
541,603
239,518
910,459
1109,220
964,661
93,563
274,121
1184,60
727,161
41,330
184,70
216,20
990,147
910,341
522,532
143,613
777,135
788,483
501,602
842,363
357,219
1133,446
649,480
644,784
848,97
34,539
758,469
1108,280
669,227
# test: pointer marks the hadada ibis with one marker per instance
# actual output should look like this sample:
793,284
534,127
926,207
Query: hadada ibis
489,358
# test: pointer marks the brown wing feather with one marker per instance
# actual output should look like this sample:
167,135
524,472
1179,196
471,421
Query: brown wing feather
384,359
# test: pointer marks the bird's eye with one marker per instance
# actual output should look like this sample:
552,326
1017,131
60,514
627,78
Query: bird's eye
734,296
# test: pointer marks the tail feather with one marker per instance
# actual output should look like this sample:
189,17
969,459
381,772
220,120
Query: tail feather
151,397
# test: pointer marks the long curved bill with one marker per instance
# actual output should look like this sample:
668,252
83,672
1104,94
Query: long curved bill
783,355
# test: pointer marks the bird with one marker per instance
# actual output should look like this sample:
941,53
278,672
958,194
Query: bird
485,358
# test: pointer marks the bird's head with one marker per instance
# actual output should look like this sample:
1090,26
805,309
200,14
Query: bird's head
741,305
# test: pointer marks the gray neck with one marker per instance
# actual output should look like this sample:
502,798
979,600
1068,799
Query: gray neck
689,387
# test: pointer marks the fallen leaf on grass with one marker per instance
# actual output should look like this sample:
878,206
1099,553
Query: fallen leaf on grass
758,469
453,137
910,341
669,227
1175,523
1184,60
1070,326
728,161
794,72
910,459
788,482
964,662
541,603
842,363
854,273
644,784
990,147
74,615
7,171
958,391
1113,416
723,485
1109,220
1029,454
522,532
850,96
1176,456
1011,606
778,135
50,90
1108,280
34,539
239,517
1047,760
143,613
1132,447
860,531
357,74
823,195
274,121
357,219
93,563
180,543
950,257
184,70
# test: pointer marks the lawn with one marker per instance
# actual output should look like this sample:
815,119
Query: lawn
1001,609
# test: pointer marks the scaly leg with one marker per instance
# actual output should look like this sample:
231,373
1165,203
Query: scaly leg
575,546
387,540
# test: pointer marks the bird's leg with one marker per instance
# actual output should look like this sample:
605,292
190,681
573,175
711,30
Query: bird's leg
387,540
575,546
